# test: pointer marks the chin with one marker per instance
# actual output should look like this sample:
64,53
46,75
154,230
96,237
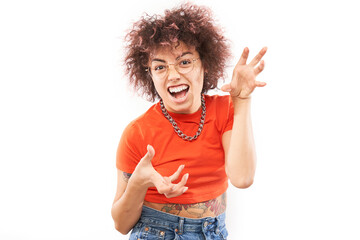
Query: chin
186,107
180,99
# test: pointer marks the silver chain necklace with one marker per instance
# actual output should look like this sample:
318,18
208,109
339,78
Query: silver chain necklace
175,126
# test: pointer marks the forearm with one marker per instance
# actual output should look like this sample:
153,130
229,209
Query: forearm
241,159
127,210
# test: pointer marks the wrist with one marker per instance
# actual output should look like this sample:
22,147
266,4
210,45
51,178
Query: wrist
139,182
240,100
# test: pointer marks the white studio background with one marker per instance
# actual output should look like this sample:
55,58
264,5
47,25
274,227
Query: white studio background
64,103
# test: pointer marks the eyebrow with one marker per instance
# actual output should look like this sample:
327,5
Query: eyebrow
161,60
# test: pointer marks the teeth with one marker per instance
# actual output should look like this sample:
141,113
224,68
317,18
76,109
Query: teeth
177,89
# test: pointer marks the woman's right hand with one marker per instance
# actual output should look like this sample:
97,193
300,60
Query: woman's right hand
145,174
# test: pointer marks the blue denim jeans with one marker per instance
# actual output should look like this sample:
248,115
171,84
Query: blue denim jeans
154,224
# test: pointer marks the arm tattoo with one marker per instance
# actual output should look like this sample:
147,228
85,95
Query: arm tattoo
217,206
126,176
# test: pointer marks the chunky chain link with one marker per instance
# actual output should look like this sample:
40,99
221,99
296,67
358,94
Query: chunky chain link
175,126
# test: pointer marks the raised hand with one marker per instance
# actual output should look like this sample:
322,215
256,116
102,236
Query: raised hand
147,175
243,81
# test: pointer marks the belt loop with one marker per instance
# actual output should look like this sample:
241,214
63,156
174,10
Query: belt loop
181,226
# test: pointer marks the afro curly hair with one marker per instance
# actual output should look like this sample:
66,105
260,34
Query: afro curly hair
191,24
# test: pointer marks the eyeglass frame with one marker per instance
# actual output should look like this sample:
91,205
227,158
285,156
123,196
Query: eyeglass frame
147,69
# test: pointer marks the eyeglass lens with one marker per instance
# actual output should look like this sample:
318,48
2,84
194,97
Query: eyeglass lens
160,69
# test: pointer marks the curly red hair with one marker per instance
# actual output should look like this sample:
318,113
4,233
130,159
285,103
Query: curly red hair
190,24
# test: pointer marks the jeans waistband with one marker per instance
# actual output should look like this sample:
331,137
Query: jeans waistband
170,221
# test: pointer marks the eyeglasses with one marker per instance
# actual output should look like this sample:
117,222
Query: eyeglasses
160,70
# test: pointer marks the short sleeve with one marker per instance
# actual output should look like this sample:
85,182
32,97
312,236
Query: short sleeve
128,154
230,115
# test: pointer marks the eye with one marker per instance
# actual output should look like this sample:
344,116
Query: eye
185,62
159,68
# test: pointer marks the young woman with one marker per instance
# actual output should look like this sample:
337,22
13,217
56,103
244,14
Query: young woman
175,160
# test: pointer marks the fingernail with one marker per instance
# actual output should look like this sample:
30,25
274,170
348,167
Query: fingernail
186,176
185,189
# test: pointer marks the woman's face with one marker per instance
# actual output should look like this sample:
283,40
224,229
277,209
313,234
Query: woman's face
180,86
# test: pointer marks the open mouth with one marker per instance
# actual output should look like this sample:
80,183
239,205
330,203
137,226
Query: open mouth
179,91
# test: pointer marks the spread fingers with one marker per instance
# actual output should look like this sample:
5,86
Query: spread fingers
179,188
177,173
258,57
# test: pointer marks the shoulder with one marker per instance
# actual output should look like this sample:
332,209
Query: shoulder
133,141
140,126
219,102
220,108
144,119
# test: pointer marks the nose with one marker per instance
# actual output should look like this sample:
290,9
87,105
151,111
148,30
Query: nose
172,73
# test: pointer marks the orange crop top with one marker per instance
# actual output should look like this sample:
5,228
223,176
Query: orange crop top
203,158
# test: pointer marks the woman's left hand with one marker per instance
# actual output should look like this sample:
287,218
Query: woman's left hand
243,81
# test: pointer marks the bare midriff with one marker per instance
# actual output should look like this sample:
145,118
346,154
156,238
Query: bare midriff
211,208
